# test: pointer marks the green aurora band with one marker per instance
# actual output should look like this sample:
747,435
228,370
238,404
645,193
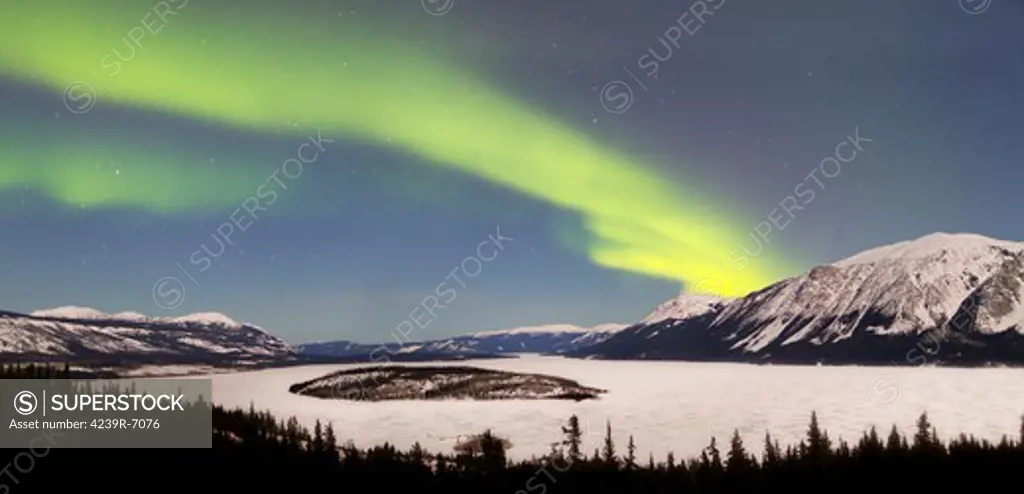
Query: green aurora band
80,167
265,70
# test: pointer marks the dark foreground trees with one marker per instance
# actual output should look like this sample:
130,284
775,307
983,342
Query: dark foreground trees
255,452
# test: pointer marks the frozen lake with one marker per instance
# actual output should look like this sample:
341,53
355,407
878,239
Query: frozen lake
666,406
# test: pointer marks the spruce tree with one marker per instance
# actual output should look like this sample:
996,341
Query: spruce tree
737,459
872,442
893,443
818,444
715,455
572,438
317,444
417,456
293,434
492,452
331,443
608,454
923,436
1020,441
843,450
771,451
631,454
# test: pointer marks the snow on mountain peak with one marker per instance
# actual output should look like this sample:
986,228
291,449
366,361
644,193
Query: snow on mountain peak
611,327
547,328
70,312
207,318
684,306
86,313
959,246
129,316
553,329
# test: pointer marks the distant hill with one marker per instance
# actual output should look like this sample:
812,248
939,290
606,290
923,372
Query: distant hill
547,339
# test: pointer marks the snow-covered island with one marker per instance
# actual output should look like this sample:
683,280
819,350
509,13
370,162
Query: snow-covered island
392,382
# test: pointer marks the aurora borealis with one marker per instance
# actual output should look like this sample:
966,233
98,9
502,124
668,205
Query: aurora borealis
196,102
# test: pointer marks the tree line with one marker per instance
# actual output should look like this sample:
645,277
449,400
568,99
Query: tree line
254,451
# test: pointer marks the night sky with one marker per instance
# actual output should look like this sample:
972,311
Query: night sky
320,167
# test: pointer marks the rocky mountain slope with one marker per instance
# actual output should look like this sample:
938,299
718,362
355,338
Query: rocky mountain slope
942,298
88,334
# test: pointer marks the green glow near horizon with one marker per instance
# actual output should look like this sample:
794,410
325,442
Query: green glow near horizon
256,70
112,172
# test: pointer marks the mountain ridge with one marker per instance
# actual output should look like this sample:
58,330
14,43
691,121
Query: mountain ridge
852,310
81,333
545,339
963,291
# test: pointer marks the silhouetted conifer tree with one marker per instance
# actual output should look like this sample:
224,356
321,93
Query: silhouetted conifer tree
923,439
818,444
772,455
705,460
331,443
871,444
737,459
1020,441
316,445
608,454
573,438
441,464
631,454
417,455
715,456
492,452
893,443
843,450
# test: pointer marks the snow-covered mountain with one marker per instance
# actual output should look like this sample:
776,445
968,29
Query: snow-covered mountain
546,339
684,306
964,290
84,333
